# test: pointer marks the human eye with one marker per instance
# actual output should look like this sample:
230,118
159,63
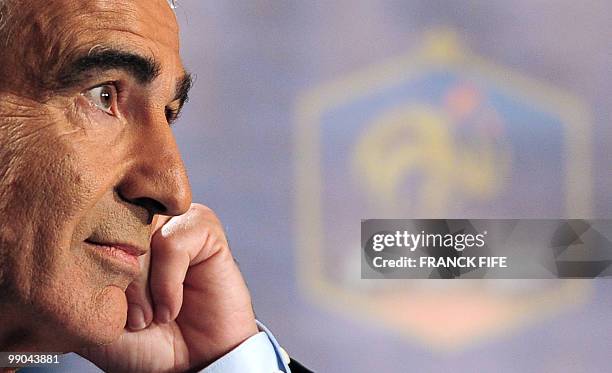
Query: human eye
172,115
103,97
173,111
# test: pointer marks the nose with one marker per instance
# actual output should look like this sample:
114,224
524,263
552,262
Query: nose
156,179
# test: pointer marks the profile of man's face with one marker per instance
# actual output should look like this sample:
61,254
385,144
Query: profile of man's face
87,156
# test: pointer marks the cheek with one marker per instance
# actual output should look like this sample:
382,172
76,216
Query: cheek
42,193
95,148
98,143
55,177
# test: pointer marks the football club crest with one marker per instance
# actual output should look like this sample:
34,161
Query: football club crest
440,133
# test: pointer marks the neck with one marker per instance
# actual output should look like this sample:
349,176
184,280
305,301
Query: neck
16,332
14,336
24,329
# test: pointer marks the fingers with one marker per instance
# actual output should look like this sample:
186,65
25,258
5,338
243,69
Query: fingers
174,248
170,264
140,305
140,310
195,282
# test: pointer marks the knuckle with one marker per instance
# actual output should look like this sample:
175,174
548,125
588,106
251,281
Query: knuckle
200,208
170,243
208,218
205,212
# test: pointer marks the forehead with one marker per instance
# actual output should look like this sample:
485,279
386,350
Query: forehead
68,27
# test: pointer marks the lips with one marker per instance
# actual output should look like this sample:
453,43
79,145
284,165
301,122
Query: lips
127,248
120,256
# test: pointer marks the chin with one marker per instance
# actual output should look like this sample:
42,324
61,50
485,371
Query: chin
108,320
88,322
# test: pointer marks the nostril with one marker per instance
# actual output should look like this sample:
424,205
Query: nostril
153,207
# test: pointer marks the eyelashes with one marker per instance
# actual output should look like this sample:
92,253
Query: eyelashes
172,114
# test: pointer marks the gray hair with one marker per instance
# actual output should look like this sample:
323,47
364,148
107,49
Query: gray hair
5,14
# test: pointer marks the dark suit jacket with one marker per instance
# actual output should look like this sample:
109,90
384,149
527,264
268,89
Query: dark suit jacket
298,368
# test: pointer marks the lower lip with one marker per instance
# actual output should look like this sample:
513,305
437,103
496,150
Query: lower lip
117,256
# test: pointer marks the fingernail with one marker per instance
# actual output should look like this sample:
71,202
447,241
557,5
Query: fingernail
136,317
162,313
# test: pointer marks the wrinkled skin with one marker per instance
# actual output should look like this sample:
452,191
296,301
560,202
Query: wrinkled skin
72,172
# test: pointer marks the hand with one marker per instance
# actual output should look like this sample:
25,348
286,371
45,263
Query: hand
190,306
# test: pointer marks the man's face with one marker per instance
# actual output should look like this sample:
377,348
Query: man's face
87,91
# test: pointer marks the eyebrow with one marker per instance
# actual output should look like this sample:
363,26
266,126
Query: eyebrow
143,69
